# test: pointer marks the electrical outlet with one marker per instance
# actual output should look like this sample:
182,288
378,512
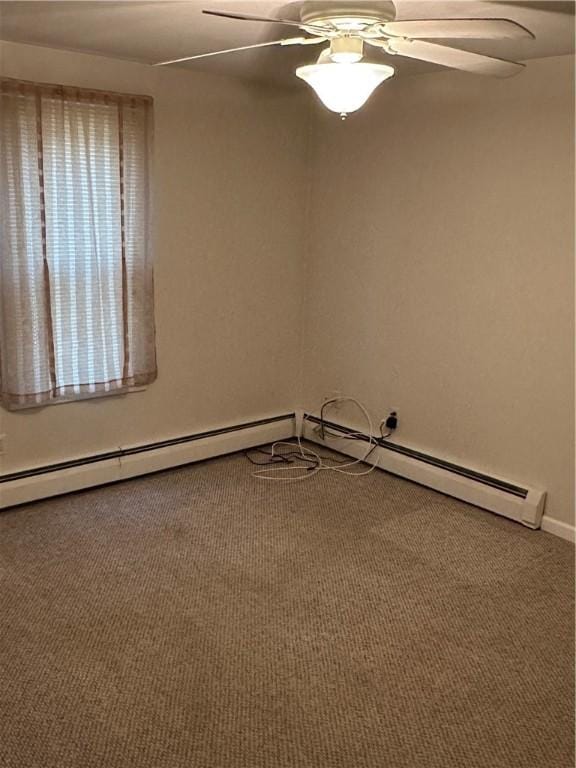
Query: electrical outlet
391,421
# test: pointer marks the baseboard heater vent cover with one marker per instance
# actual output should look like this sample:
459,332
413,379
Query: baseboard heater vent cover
522,504
120,464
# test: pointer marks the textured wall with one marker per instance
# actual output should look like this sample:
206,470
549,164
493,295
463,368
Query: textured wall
436,264
228,226
440,278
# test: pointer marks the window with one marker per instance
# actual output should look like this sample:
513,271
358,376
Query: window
76,290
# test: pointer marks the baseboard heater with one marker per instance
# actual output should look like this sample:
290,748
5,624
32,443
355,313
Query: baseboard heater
124,462
519,503
522,504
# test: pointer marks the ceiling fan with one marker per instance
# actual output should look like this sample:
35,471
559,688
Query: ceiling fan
344,77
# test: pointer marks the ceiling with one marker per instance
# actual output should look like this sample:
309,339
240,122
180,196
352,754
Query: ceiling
155,30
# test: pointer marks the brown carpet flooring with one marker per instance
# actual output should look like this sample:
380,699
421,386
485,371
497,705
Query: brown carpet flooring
200,618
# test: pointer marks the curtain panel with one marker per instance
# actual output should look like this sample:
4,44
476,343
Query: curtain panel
76,282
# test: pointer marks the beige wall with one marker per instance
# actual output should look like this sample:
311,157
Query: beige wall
438,276
441,266
228,225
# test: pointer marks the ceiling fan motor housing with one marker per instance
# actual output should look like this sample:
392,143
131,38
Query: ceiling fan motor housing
348,16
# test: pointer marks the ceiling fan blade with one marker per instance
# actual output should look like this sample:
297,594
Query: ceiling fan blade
454,58
478,29
288,41
250,17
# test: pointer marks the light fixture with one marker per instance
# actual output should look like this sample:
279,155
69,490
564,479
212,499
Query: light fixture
344,85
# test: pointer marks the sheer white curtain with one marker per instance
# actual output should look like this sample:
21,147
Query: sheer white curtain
76,290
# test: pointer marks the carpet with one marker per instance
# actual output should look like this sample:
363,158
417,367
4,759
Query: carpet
200,618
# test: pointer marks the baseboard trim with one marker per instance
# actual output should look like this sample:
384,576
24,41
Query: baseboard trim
558,528
521,504
45,481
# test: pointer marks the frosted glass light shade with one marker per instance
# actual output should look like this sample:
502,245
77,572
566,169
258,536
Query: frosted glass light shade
344,87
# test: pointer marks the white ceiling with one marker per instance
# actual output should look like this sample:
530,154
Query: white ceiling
156,30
